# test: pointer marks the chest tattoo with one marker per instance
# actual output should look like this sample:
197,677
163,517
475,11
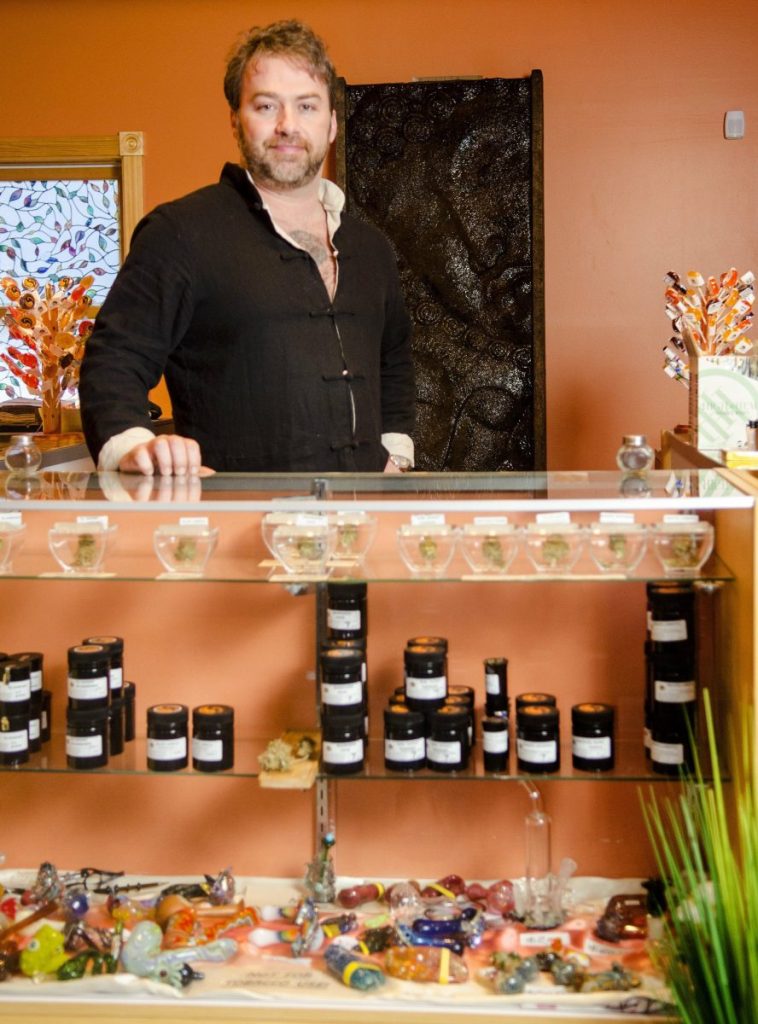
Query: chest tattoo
321,254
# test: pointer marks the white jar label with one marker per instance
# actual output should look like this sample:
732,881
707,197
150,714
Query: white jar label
116,678
537,751
434,688
14,742
444,751
667,753
15,690
167,750
350,752
593,748
541,940
34,729
343,618
44,719
492,683
341,694
674,693
647,738
668,630
405,750
207,750
84,746
88,689
495,742
35,678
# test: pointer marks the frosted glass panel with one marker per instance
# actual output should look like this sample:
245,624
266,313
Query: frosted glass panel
55,228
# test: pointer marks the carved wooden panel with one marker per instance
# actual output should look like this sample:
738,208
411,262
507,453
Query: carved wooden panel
451,171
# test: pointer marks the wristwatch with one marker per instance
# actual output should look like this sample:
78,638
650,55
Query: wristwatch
401,462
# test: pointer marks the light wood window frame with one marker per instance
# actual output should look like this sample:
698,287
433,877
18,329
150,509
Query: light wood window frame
72,157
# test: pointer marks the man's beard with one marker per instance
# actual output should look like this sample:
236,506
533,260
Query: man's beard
287,172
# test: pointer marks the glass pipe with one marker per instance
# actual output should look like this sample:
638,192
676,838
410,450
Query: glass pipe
426,963
353,970
357,894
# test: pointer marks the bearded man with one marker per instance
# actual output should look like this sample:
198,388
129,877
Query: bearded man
276,317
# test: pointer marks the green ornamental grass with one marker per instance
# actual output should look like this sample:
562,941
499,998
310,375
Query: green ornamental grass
706,847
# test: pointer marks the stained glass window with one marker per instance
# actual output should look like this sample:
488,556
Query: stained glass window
54,228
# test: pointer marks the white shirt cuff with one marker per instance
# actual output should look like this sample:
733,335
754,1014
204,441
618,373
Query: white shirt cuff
399,444
116,447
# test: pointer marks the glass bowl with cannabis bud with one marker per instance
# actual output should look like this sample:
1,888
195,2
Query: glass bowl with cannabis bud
10,536
355,533
617,547
427,548
79,548
554,547
682,543
305,544
185,547
489,544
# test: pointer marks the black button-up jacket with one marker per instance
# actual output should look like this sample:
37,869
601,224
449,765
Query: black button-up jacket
263,370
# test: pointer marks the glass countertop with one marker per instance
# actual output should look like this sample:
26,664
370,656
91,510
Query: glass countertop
677,490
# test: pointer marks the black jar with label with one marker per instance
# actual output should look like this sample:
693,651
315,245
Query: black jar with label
87,737
524,700
46,718
592,742
116,726
346,610
88,683
671,624
404,742
14,738
129,698
673,732
342,744
342,685
35,660
212,738
462,702
495,685
114,645
15,687
167,741
673,683
425,678
447,746
538,747
495,743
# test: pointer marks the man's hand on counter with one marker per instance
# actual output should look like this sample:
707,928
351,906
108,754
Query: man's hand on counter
165,455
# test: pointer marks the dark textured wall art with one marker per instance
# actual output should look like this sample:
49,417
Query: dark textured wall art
451,171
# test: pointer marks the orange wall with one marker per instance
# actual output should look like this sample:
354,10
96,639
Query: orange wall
639,178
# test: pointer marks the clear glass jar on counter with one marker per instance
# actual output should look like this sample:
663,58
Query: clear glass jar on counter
635,455
22,456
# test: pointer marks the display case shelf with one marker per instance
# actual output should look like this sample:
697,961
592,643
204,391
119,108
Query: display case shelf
631,766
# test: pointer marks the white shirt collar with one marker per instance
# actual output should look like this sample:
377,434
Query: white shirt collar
331,197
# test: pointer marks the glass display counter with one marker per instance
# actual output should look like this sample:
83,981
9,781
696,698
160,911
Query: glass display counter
246,630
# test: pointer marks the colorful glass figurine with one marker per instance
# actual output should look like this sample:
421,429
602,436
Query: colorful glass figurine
44,953
142,955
